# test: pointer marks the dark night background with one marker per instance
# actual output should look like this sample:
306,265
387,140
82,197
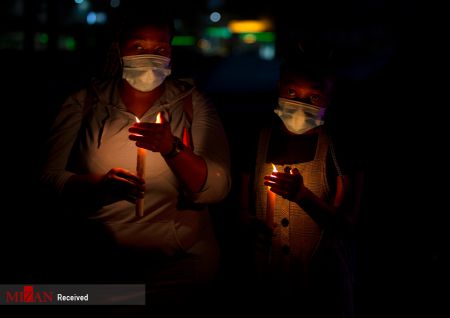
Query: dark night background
391,60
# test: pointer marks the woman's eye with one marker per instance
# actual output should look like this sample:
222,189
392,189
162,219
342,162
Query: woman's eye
163,51
138,47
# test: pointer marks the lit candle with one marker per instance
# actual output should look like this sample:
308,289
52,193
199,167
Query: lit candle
140,170
270,207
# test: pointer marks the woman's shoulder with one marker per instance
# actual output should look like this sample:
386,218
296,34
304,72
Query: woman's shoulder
177,87
95,92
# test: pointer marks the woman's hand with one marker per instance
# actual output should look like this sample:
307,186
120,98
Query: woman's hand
119,184
287,184
188,167
153,137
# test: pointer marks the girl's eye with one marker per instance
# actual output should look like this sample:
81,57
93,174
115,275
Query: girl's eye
291,93
314,98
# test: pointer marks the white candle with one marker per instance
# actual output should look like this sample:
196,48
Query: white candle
140,170
270,206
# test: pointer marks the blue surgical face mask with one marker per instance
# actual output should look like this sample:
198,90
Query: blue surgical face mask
299,117
145,72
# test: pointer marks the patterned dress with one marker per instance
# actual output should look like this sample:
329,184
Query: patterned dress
303,259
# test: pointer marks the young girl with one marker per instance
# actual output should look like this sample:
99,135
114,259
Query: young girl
308,208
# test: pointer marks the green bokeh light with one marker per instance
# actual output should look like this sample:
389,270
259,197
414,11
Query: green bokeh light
183,40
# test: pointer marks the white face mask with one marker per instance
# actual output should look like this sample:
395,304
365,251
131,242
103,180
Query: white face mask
299,117
145,72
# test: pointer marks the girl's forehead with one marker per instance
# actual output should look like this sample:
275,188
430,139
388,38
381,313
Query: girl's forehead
159,34
300,81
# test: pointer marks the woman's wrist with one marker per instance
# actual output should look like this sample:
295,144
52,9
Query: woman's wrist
177,147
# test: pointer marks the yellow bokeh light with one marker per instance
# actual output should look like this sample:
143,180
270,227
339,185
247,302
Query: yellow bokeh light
249,26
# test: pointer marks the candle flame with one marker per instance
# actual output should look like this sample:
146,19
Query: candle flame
274,169
138,121
158,118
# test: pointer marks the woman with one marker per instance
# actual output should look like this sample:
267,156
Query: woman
93,151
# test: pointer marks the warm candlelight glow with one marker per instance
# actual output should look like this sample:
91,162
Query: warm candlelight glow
270,206
140,171
140,168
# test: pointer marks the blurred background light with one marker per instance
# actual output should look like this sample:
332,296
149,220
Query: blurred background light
114,3
183,40
215,16
249,38
267,52
258,37
91,18
249,26
101,18
218,32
